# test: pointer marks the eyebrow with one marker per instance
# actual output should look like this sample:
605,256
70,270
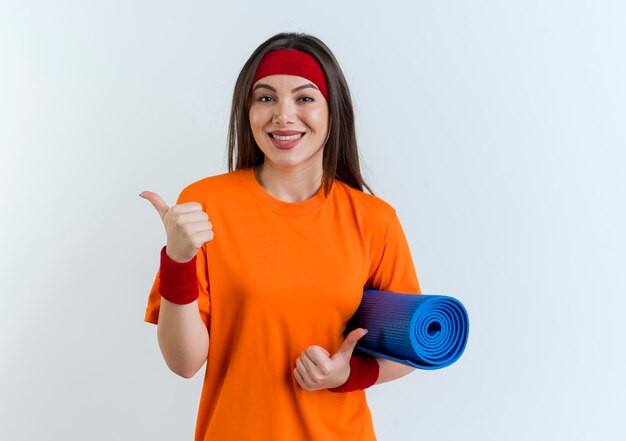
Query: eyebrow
294,90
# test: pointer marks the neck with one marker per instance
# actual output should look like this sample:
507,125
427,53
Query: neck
289,185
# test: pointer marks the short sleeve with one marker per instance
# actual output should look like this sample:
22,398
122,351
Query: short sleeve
204,297
393,268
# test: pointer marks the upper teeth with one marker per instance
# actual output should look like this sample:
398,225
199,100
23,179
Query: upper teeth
287,138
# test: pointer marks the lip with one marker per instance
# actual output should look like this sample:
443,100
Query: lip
286,145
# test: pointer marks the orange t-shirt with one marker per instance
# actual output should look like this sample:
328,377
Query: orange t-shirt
277,278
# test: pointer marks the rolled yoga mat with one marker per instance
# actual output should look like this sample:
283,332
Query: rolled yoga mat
421,330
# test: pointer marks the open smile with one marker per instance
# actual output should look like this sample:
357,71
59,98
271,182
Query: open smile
287,139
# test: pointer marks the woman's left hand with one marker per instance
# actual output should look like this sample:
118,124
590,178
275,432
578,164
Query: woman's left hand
316,369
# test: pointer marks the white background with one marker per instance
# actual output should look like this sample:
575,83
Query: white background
496,128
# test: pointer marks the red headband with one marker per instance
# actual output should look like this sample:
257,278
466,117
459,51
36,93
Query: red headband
292,62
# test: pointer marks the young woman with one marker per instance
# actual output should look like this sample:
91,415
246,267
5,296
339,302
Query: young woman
265,265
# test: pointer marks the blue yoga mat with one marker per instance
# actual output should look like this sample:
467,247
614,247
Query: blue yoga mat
421,330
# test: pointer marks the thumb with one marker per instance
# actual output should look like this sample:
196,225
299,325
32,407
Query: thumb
156,201
350,342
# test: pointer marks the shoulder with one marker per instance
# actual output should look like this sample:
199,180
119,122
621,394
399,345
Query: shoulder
211,186
366,205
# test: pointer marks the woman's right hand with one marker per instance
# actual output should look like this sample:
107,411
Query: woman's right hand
186,225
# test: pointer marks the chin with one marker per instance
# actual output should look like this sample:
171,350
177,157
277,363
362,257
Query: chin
292,159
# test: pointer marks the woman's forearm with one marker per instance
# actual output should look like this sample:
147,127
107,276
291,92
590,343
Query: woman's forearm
391,370
183,337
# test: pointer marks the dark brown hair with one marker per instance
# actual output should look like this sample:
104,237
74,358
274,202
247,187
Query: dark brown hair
341,156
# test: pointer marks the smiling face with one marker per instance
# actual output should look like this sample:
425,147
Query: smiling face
289,122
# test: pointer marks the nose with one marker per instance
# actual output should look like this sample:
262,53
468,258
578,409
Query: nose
284,112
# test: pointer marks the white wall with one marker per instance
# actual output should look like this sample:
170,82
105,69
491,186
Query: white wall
496,128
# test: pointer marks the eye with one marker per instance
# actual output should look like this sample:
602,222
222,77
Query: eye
306,99
264,99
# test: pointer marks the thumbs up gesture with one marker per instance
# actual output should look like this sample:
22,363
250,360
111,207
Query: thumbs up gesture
186,225
316,369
